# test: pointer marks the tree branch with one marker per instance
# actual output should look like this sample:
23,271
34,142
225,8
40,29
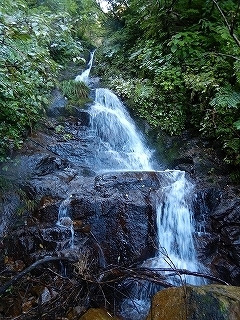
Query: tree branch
230,29
117,273
152,275
9,283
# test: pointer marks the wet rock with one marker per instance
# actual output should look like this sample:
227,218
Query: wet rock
30,242
58,104
50,164
83,116
190,303
116,210
9,204
83,205
212,197
48,213
225,223
77,224
121,212
225,268
227,212
208,244
23,242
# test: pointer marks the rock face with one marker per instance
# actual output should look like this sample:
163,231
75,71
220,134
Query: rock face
121,214
190,303
226,224
116,211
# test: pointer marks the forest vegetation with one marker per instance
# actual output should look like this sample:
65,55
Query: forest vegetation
176,63
38,40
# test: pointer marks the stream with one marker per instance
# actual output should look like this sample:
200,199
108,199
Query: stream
121,147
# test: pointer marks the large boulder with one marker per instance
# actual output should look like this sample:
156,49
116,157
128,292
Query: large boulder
116,211
201,303
121,212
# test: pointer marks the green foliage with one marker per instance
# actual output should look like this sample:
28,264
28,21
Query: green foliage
237,124
37,39
75,89
9,189
219,122
26,205
180,67
26,73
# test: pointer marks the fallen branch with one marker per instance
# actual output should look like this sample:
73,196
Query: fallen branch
186,272
152,275
117,273
21,274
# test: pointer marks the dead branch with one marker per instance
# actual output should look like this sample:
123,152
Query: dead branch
21,274
117,273
185,272
223,55
151,275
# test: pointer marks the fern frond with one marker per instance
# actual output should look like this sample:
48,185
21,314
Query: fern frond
226,97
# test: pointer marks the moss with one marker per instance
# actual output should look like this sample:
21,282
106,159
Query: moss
206,302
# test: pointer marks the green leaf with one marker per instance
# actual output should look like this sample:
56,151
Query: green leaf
237,124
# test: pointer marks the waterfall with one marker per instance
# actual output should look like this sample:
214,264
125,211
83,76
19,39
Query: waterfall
120,146
118,136
84,76
176,227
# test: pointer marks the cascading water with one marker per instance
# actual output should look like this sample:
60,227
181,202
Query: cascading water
84,76
64,220
175,245
121,147
176,227
119,138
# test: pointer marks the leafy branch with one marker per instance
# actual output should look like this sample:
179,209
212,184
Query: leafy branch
230,28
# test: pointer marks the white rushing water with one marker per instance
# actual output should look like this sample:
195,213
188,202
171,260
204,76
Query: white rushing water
84,76
119,137
175,225
120,146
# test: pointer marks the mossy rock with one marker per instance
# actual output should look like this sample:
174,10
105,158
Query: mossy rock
210,302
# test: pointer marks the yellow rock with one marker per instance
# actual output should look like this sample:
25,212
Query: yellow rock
209,302
97,314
